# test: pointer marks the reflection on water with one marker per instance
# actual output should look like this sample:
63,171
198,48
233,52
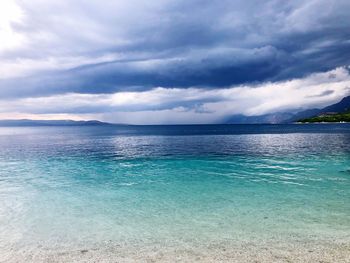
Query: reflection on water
72,185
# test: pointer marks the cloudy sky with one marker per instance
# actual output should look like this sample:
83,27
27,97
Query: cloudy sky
166,61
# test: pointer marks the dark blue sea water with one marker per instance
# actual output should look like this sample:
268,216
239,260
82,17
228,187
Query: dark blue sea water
192,184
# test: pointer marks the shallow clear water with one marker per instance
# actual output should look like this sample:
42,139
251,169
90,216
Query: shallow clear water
80,186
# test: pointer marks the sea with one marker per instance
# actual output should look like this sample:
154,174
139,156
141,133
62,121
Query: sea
175,192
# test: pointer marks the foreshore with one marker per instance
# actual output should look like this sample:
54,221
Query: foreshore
245,252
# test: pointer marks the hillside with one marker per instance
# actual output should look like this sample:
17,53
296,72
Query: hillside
338,112
293,116
338,117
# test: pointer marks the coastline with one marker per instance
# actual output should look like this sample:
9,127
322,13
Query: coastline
323,122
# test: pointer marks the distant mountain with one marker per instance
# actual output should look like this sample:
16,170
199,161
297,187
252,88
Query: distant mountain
290,117
302,115
330,117
272,118
342,106
27,122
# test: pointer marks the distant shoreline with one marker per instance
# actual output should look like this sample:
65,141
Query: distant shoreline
323,122
104,124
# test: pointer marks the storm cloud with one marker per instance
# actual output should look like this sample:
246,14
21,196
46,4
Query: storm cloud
78,48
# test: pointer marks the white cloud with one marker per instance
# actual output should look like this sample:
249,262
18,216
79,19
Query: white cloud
280,96
192,105
10,13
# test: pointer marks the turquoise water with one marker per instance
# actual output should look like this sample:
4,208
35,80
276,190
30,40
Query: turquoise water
82,186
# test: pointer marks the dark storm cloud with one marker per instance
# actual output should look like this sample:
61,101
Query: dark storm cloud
207,44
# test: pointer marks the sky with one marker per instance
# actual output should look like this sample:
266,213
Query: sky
171,62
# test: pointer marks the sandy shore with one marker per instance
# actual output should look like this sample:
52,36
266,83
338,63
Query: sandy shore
246,252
